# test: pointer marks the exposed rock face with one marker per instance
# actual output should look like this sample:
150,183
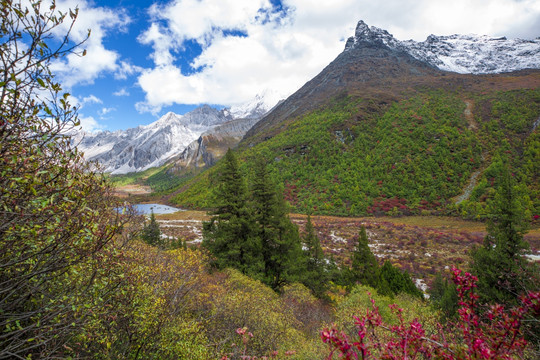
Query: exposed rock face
212,145
147,146
367,60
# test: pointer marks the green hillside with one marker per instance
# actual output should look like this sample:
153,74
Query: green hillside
371,155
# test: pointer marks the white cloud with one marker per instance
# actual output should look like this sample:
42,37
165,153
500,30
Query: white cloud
104,111
89,124
91,99
283,50
74,68
126,69
121,92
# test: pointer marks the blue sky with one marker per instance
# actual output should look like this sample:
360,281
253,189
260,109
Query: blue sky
147,58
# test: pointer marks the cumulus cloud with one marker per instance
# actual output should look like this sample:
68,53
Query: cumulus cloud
76,69
249,46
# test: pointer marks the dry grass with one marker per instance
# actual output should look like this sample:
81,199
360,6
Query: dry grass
125,191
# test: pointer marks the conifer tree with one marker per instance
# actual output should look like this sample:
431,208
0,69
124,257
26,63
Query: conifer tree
317,272
443,295
364,268
231,234
151,233
503,273
397,281
280,240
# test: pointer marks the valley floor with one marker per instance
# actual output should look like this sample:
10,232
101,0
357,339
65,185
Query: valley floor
423,245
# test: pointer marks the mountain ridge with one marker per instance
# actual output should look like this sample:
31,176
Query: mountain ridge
145,146
375,58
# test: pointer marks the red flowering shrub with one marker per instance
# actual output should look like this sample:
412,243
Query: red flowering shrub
496,335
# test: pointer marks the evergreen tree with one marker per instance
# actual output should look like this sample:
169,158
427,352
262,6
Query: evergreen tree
151,233
280,240
317,272
443,296
231,234
394,281
503,273
365,268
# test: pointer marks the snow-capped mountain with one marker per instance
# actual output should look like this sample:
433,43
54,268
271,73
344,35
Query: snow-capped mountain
458,53
147,146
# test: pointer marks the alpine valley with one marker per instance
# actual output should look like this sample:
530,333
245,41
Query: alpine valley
386,129
388,209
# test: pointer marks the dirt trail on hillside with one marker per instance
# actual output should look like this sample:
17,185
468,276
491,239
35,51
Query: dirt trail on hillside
473,125
468,112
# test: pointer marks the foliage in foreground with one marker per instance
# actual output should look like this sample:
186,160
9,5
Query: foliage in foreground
58,218
497,335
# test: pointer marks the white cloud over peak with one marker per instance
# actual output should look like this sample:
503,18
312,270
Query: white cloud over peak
249,46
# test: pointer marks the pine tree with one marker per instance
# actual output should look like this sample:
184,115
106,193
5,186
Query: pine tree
231,234
394,281
281,248
443,296
151,233
503,273
364,268
317,273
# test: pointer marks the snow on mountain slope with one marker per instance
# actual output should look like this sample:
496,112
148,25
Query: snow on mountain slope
458,53
140,148
147,146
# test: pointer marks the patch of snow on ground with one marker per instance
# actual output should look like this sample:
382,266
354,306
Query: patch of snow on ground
532,257
421,284
336,238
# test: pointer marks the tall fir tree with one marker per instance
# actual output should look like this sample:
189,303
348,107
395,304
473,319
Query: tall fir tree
364,267
284,260
151,233
444,297
503,273
317,272
231,235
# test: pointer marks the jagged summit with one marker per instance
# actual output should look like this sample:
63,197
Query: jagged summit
371,35
465,54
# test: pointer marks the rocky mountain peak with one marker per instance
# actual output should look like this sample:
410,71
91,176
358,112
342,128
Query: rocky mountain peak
465,54
370,35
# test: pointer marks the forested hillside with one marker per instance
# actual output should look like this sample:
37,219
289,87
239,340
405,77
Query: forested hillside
435,151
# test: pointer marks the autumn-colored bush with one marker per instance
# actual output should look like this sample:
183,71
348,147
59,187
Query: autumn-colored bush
495,335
